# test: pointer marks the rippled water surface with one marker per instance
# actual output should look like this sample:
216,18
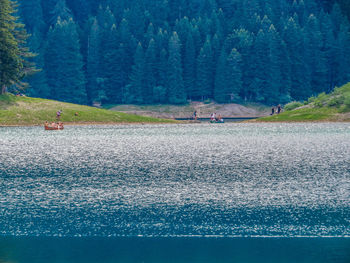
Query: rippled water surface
185,180
231,180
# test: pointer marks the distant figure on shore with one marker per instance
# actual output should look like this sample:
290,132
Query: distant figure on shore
58,114
76,114
213,116
195,116
279,109
219,118
272,110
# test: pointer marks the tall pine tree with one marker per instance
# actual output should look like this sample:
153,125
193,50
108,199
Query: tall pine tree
64,64
175,85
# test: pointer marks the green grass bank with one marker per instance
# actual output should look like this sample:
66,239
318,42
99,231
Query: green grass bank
332,107
26,111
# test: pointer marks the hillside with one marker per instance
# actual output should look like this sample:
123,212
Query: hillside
33,111
325,107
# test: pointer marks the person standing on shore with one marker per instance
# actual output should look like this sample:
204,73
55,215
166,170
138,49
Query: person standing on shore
279,109
195,116
58,114
272,110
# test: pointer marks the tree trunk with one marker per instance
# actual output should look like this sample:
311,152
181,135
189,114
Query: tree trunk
3,89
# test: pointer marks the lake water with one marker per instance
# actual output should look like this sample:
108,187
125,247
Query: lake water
176,193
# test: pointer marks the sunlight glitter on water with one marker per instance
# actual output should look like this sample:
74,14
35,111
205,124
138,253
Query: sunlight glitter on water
176,180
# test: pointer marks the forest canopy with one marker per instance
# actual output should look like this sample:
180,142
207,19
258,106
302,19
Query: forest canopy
171,51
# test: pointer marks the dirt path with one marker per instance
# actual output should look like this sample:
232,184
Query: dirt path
203,110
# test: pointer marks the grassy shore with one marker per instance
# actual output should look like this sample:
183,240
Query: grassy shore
23,111
333,107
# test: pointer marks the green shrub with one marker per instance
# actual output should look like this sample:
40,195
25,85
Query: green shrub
292,105
336,101
311,100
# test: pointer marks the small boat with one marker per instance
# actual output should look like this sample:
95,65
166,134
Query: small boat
53,128
219,121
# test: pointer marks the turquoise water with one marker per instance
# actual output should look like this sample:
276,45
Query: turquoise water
190,190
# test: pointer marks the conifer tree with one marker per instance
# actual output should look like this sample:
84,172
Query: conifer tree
175,85
150,72
344,54
13,50
271,92
316,58
204,84
220,87
233,75
330,50
300,79
93,62
38,82
64,64
32,15
189,66
137,77
60,11
162,69
113,61
129,45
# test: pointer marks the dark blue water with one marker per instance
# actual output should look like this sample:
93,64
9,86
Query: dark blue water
195,191
201,250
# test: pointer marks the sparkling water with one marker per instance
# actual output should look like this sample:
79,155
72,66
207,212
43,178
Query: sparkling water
183,181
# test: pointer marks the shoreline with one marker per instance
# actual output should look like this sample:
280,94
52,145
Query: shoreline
168,123
89,123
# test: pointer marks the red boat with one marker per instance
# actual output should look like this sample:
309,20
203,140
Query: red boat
52,128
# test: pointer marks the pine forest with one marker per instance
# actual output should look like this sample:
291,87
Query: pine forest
173,51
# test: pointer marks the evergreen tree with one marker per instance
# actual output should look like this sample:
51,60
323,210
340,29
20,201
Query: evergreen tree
204,85
228,81
150,72
137,77
113,61
316,60
93,63
162,69
13,51
344,54
32,15
221,86
260,83
189,66
60,11
64,64
38,82
47,6
175,85
300,79
129,45
271,92
330,50
233,74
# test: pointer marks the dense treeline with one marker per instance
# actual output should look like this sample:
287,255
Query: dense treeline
169,51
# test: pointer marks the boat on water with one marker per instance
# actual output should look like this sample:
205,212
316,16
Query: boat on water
51,127
217,121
